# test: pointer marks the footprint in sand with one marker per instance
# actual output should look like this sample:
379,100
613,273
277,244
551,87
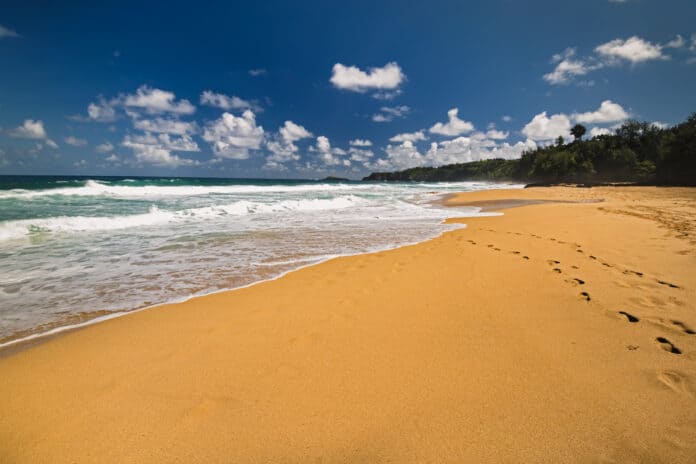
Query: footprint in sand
662,282
685,328
677,382
553,261
525,257
631,318
556,270
667,345
579,281
628,271
585,295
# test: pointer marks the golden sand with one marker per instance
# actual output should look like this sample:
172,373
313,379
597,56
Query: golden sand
559,332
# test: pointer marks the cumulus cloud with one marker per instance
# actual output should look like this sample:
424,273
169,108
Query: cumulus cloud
496,134
360,143
154,101
225,102
282,145
568,66
409,137
607,112
166,126
360,155
257,72
506,118
75,142
30,129
633,49
102,110
388,77
6,32
329,155
597,131
467,149
389,113
157,150
232,137
542,127
291,132
454,126
50,143
103,148
458,150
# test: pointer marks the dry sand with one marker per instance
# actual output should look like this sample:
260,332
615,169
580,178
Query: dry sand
530,337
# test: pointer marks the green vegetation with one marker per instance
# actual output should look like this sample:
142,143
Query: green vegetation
637,152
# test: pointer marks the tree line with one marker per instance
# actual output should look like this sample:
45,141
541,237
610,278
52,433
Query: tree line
636,152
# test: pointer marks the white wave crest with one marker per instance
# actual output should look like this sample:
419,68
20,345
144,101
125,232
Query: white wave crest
25,227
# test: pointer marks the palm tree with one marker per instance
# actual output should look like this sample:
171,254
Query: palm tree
578,131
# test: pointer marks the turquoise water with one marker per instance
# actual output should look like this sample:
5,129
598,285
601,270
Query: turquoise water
70,247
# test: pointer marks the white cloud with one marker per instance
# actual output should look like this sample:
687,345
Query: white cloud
633,49
106,147
50,143
166,126
597,131
677,42
497,135
409,137
157,150
102,111
459,150
506,118
360,143
388,77
30,129
389,113
257,72
282,146
360,155
567,68
329,156
291,132
155,101
225,102
607,112
399,157
468,149
233,136
75,142
454,126
6,32
542,127
113,158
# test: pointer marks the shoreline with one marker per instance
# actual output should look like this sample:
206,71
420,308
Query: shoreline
437,351
16,345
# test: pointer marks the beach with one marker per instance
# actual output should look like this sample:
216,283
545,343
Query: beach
563,330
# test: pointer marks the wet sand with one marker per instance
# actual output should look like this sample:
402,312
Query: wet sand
562,331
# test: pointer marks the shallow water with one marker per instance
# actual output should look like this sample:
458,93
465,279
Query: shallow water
70,247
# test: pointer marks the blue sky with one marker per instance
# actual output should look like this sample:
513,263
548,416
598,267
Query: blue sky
307,89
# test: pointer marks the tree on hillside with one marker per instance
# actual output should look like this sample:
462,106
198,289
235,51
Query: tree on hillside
560,141
578,131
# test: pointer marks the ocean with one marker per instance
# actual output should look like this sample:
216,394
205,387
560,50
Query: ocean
73,249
